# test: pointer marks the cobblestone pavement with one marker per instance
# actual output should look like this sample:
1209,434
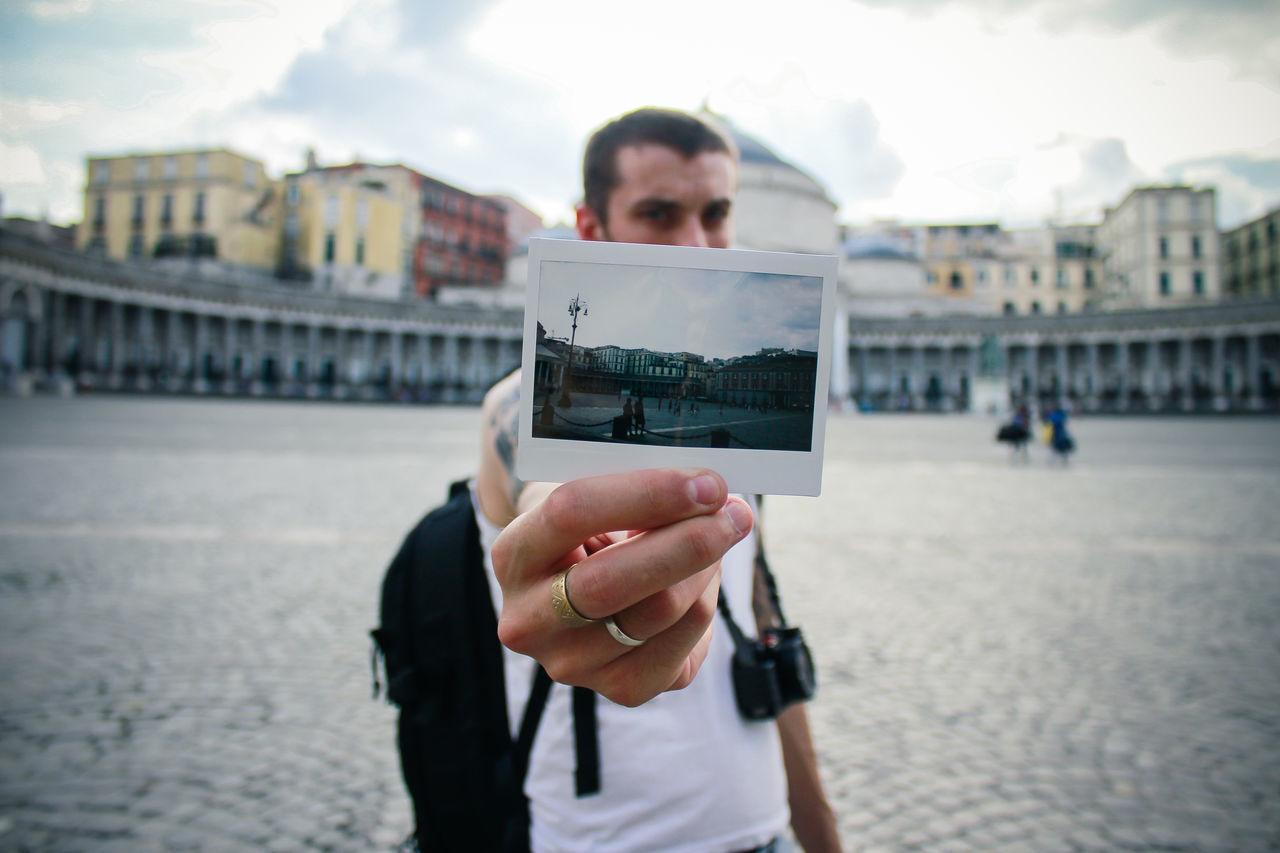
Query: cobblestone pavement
1012,656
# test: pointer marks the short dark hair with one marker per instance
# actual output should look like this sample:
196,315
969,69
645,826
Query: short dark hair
686,134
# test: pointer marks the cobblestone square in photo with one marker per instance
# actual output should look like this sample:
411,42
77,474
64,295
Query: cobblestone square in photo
1012,655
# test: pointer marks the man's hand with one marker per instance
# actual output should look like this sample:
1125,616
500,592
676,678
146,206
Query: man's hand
659,580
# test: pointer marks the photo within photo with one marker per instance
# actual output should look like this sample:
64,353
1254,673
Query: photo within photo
672,356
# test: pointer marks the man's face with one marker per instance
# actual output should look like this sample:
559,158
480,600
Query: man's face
666,199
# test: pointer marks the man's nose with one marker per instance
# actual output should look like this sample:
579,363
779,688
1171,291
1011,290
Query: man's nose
693,234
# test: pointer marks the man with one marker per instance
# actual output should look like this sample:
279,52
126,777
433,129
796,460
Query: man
680,769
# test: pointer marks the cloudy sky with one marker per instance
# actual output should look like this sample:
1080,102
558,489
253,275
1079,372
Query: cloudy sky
713,313
921,110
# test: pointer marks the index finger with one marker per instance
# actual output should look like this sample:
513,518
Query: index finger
581,509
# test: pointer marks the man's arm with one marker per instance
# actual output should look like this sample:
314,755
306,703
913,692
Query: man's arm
812,818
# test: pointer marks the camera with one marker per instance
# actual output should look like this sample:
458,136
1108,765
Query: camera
772,673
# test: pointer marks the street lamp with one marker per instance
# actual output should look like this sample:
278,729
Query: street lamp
576,307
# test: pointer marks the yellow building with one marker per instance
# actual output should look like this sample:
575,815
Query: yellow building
205,204
352,229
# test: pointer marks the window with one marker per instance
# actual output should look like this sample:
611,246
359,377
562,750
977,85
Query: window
1164,248
202,166
1010,276
1195,246
331,212
291,194
1062,307
360,249
1197,283
101,173
1088,278
135,246
1062,278
362,213
1035,307
197,215
250,175
329,245
1035,275
99,212
171,168
166,210
139,209
1165,287
140,170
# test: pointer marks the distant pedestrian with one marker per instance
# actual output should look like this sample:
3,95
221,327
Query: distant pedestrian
1060,441
638,416
1017,433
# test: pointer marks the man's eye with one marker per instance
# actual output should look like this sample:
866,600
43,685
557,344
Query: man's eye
656,214
715,214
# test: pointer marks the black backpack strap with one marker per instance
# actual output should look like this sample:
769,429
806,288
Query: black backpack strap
532,716
586,741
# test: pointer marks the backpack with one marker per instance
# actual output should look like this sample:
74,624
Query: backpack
443,664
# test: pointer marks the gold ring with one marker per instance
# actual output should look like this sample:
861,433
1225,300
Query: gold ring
562,605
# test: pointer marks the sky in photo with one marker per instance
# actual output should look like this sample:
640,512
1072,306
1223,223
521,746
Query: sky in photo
1009,111
713,313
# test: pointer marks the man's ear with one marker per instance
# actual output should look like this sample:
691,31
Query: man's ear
589,225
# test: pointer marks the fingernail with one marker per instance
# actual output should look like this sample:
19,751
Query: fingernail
740,515
703,489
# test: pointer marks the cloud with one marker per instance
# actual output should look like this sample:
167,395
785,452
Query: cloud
1243,33
1247,187
401,87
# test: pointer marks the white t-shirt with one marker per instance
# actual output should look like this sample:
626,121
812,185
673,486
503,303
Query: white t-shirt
682,773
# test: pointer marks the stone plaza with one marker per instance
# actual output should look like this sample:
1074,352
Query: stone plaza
1013,655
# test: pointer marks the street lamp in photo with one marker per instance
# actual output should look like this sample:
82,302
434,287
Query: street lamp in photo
576,306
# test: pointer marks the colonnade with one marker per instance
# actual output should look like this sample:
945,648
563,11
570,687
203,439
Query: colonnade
107,334
1211,358
67,318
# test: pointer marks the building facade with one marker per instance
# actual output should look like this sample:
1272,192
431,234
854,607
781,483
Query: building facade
352,229
215,204
1251,258
1160,249
464,239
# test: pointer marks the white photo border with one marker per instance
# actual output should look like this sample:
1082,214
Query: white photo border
758,471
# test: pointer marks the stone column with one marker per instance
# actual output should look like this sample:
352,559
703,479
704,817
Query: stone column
311,377
449,367
287,377
1093,379
1066,387
917,376
119,346
891,365
396,356
1185,373
230,376
88,341
1217,369
200,382
340,362
1122,367
57,333
146,345
172,350
370,369
1033,371
425,376
1253,370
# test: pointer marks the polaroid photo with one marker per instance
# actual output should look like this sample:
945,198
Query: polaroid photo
642,356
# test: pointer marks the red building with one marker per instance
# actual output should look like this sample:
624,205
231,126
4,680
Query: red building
464,239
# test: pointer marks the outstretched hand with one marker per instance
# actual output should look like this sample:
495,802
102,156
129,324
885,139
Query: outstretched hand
659,579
